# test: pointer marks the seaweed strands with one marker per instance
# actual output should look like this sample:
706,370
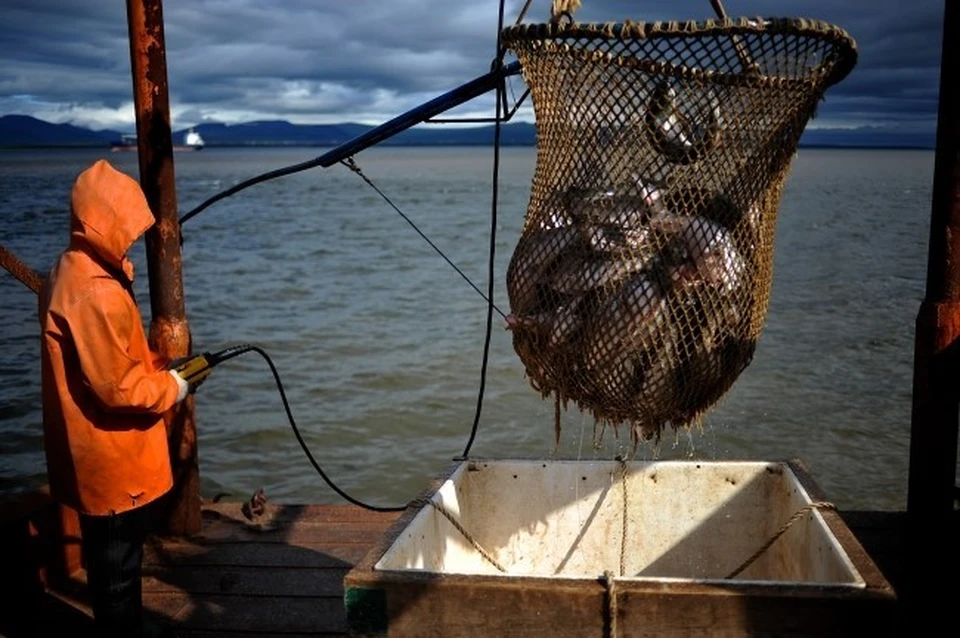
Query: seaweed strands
632,310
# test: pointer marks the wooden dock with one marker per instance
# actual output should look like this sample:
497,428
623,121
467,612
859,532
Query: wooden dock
282,575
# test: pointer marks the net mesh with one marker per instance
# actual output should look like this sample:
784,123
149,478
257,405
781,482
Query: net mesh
640,282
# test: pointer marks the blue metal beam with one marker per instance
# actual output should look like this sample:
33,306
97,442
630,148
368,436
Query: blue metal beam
456,97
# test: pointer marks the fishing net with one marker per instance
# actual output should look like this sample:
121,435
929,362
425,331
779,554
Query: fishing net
640,282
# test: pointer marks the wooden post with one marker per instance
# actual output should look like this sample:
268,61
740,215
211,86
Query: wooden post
936,386
169,331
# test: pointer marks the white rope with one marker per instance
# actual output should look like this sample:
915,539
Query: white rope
561,7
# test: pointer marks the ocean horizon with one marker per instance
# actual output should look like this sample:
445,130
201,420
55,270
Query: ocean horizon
25,132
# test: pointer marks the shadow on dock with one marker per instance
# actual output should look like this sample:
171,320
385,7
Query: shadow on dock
279,575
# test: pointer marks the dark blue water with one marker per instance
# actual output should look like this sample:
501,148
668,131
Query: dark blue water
379,341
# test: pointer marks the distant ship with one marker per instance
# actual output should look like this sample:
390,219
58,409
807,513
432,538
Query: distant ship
191,142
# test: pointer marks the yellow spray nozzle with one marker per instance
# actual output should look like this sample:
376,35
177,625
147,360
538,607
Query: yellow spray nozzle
195,369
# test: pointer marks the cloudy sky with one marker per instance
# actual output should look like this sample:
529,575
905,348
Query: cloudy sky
323,61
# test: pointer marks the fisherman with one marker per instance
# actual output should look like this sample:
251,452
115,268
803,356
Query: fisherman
105,393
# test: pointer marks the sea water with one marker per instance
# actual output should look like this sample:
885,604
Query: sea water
379,342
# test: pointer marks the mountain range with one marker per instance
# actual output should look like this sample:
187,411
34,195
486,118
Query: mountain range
23,131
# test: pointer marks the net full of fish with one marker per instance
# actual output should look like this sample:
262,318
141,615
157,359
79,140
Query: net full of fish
628,307
640,282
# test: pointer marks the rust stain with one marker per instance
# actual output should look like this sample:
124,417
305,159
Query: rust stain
23,273
947,328
168,229
170,337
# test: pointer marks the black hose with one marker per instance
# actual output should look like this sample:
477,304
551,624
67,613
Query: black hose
497,78
498,63
229,353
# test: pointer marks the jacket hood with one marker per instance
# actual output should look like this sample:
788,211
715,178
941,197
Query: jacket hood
109,212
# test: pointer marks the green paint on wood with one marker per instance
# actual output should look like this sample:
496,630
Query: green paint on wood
366,610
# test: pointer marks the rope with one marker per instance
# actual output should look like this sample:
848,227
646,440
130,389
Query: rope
489,558
610,608
568,7
742,53
718,8
563,8
823,505
523,12
623,533
556,422
352,165
607,579
23,273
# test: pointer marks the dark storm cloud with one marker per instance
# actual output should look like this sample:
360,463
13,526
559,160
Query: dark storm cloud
896,79
309,60
364,47
64,52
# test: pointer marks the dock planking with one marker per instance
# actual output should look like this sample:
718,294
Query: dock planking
282,574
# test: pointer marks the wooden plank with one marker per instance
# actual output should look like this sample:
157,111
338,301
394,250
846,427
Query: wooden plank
869,519
164,605
252,555
178,602
273,614
428,605
883,536
726,613
313,513
878,531
245,581
300,533
45,614
201,633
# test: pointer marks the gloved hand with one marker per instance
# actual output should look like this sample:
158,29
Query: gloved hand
193,370
182,384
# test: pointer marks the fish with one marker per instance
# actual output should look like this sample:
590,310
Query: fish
579,276
655,398
614,219
554,328
536,253
614,239
710,349
710,203
675,135
627,206
541,341
695,360
624,325
619,214
703,252
554,219
754,219
716,258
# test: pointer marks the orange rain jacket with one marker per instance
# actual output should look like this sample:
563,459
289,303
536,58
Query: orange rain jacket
104,391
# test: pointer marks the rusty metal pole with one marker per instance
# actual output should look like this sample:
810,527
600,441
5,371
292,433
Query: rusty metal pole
169,332
936,386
